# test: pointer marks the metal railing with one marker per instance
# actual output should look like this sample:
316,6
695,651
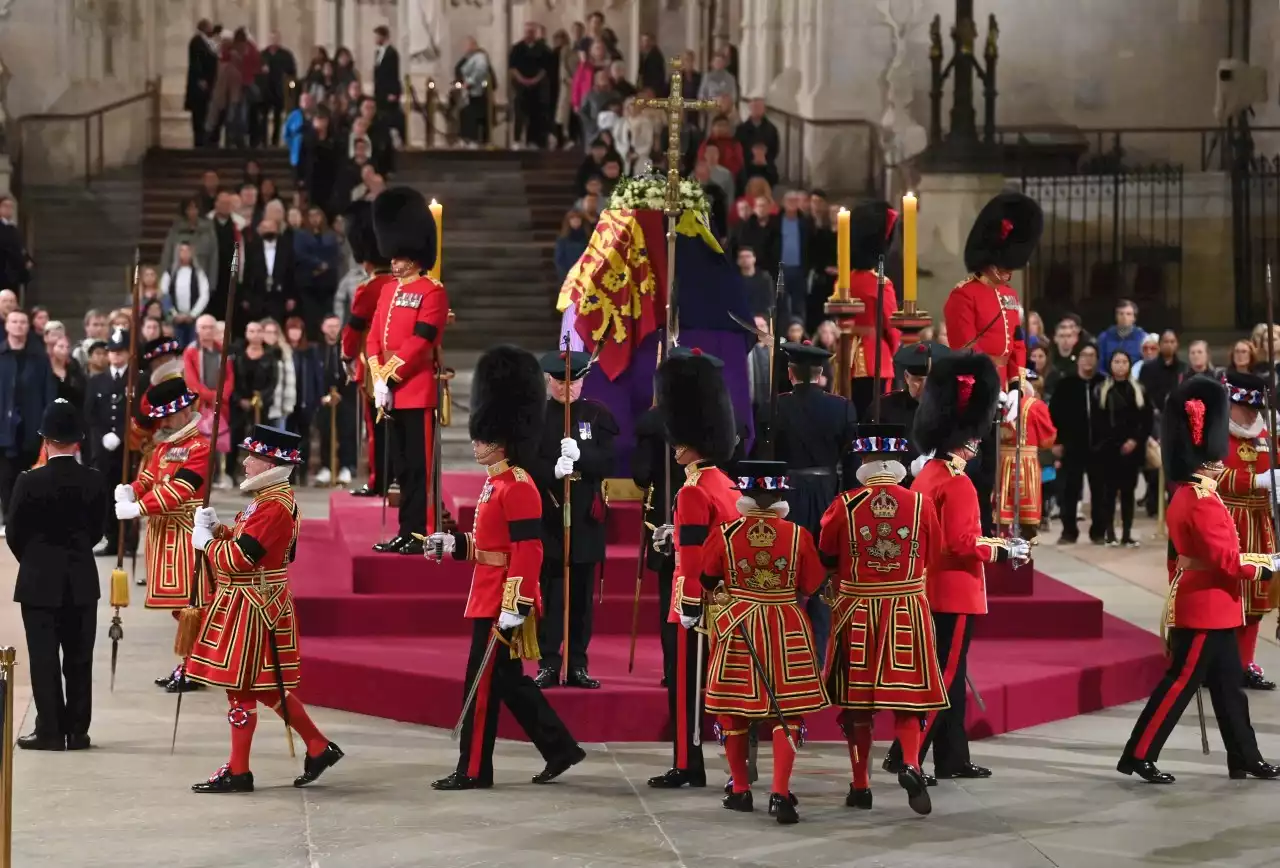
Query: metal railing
855,141
1067,150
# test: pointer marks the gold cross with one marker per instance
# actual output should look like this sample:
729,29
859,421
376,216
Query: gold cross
675,106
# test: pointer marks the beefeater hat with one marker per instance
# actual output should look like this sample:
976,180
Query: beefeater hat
1247,389
695,404
404,227
1005,234
958,403
360,234
1194,426
870,228
508,400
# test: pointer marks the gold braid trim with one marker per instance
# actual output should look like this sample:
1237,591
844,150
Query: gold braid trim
996,543
524,641
728,732
511,598
1251,559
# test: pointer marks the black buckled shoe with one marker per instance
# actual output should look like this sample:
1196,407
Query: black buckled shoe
558,766
393,545
414,546
968,770
182,684
546,677
1145,770
314,766
860,799
225,782
1255,679
79,742
1256,769
366,491
892,762
674,779
168,678
913,782
739,802
37,741
459,781
579,678
783,808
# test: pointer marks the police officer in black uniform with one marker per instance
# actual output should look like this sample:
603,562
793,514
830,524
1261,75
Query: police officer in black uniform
107,416
586,457
650,477
911,362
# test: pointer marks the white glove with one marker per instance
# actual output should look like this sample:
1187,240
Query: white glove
126,510
918,465
508,620
124,494
1009,401
569,449
1266,479
381,394
688,621
1275,568
564,467
110,441
206,517
1019,550
201,537
662,537
438,545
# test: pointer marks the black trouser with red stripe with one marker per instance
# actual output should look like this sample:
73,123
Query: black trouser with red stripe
375,447
504,682
683,703
1211,658
412,441
944,729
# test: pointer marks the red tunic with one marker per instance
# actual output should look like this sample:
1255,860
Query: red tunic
1250,507
957,583
406,331
169,487
881,538
986,316
706,500
1211,577
862,286
505,544
251,567
765,563
364,306
1038,432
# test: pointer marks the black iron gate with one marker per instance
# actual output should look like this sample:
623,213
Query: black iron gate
1255,224
1109,233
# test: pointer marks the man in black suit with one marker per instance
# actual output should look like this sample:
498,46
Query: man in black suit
54,520
15,263
279,70
202,70
386,79
269,289
107,417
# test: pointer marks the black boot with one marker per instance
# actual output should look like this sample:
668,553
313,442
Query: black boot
579,678
1256,769
676,778
547,677
1255,679
783,809
314,766
459,781
913,782
414,546
37,741
393,545
968,770
1145,770
559,765
739,802
366,491
860,799
225,782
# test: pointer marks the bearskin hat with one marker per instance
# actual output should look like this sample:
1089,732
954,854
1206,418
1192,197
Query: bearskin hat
1005,234
1247,389
360,234
870,228
958,403
404,227
695,403
508,400
1194,426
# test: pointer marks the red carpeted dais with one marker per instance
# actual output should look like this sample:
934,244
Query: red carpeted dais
384,635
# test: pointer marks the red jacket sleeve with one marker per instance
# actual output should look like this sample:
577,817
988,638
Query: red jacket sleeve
522,506
183,486
833,538
415,354
693,527
958,314
810,573
191,373
1220,545
364,304
268,529
961,524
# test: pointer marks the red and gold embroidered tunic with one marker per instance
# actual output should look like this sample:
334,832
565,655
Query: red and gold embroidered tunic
1038,432
505,545
406,330
764,563
169,487
364,307
250,563
1249,507
987,316
705,501
883,655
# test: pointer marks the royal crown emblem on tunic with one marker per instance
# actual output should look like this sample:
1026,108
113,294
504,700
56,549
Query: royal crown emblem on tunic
762,535
1248,454
883,505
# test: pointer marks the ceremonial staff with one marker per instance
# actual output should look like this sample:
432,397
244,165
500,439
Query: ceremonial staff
568,486
878,385
1274,591
120,581
191,616
334,398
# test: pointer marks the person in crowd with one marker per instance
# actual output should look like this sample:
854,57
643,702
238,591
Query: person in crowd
321,82
1150,349
691,79
1121,426
758,166
279,71
762,233
151,330
759,286
636,135
308,388
338,395
200,372
187,286
718,205
229,239
8,302
322,158
1198,359
592,164
623,88
795,231
95,330
228,109
1072,409
611,122
653,66
27,387
387,80
197,232
44,339
71,380
96,357
822,255
344,69
318,257
718,79
475,75
1162,373
1061,353
757,128
594,102
295,131
719,174
1038,360
754,190
571,244
256,372
269,274
39,316
284,397
150,291
730,150
567,62
1124,335
1243,358
202,71
207,193
1035,330
15,261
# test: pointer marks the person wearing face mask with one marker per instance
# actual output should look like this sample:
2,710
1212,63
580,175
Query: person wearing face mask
899,407
269,290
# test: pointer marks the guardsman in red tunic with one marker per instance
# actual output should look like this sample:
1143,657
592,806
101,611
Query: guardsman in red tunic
403,344
364,306
756,568
694,403
959,397
879,537
983,312
1245,489
169,487
871,226
248,643
508,399
1210,583
1038,432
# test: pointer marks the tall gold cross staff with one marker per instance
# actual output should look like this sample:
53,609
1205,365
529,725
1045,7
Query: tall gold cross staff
675,106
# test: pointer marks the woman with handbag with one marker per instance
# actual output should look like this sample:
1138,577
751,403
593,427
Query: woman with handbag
1122,425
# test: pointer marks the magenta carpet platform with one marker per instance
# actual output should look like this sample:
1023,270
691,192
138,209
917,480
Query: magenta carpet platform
384,635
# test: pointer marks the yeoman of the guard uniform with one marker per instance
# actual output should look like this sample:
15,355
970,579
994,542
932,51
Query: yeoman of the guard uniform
54,521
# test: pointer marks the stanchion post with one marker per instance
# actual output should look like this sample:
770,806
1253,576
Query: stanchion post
432,96
8,659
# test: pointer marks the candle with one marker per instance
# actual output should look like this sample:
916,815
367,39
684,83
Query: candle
909,253
437,214
842,254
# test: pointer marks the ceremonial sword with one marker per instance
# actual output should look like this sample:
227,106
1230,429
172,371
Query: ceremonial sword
768,688
475,682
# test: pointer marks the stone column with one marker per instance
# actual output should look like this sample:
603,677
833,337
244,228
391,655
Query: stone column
693,31
789,34
756,49
632,52
262,25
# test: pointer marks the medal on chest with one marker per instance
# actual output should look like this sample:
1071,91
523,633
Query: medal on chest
584,430
408,299
486,492
175,455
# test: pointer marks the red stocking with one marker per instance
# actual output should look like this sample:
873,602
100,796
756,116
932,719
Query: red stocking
299,721
857,732
784,758
735,750
243,717
906,726
1247,637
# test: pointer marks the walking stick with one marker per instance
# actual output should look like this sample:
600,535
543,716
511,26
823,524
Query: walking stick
635,604
120,581
879,385
334,398
568,483
190,618
275,665
1273,593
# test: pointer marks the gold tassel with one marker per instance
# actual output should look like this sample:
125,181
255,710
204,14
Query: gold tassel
446,407
189,621
119,589
524,641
